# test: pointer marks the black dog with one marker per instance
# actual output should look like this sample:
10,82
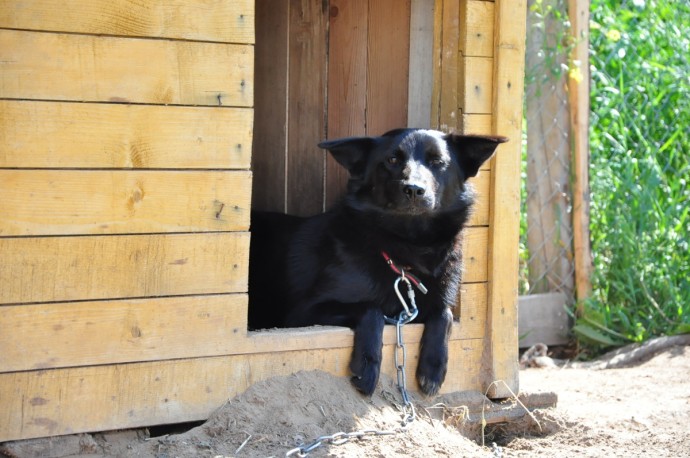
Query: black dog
406,203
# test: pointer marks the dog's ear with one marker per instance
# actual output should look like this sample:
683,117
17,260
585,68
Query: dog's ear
350,152
473,150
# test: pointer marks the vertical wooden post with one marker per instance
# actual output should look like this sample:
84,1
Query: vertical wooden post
501,352
578,89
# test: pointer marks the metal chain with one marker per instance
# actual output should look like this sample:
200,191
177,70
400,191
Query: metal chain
409,414
339,439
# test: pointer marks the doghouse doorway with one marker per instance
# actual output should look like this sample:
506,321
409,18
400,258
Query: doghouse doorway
327,69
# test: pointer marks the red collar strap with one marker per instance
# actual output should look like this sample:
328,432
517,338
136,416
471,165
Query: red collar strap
404,273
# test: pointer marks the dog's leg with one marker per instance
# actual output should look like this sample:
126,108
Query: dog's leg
433,353
366,355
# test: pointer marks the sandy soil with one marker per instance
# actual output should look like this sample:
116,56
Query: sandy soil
635,411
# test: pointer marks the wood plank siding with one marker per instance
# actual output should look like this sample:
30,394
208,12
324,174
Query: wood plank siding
135,138
125,149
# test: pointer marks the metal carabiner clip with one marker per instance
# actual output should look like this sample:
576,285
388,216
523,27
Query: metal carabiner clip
399,294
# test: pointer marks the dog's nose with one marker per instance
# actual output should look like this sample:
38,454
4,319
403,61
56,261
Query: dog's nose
412,191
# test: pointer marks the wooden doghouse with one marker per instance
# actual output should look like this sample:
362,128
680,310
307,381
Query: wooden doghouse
126,135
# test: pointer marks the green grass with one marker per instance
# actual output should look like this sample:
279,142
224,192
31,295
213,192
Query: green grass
640,169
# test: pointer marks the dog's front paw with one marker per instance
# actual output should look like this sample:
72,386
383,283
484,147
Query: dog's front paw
365,374
431,373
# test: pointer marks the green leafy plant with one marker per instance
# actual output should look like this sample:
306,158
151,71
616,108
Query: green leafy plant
640,168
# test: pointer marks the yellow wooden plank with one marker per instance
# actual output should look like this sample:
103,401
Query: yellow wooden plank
70,202
471,312
289,339
475,254
477,30
42,336
478,124
99,398
481,184
46,269
107,332
502,330
476,85
92,68
206,20
44,134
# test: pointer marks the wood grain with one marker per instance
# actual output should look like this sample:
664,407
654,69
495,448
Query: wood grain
421,80
437,65
482,187
47,269
151,329
480,124
51,66
388,65
501,350
450,67
108,332
44,135
347,83
101,398
307,106
269,152
477,33
475,254
578,93
64,202
476,85
205,20
471,313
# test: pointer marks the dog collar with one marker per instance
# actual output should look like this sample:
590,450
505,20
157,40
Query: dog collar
404,273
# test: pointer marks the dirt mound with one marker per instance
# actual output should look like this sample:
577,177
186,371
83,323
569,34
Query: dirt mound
282,413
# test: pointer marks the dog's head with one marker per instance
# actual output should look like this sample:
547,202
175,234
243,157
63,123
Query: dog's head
411,171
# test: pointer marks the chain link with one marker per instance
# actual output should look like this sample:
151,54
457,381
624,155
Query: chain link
408,314
339,439
409,414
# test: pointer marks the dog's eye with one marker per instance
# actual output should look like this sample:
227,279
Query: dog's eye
393,160
436,161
